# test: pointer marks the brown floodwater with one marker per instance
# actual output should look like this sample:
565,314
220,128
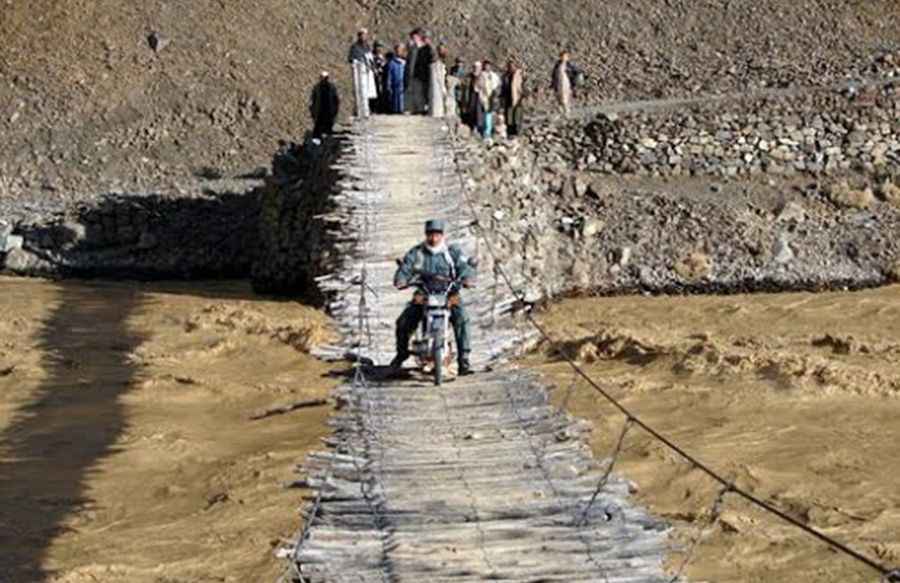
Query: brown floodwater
795,397
126,452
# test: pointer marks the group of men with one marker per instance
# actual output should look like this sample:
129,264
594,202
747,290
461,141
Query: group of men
414,78
408,79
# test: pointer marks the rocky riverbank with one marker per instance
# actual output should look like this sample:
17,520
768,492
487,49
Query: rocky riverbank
606,208
268,231
145,236
778,194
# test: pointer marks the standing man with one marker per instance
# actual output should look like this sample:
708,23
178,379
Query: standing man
361,66
562,84
396,80
324,105
438,106
455,90
511,96
422,73
379,67
488,90
474,112
412,90
434,257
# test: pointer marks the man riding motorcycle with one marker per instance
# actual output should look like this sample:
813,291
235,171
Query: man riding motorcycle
434,257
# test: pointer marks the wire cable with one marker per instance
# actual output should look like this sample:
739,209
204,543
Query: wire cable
889,574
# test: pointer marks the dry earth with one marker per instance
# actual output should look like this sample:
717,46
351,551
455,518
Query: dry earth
87,106
795,396
126,453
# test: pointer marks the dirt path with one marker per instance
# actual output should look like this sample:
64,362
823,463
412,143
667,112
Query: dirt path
654,105
481,479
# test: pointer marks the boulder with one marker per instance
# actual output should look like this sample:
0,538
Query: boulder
157,41
591,227
25,263
694,267
894,272
69,234
782,252
843,195
623,256
792,211
890,192
10,243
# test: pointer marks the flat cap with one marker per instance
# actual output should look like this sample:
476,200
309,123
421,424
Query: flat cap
435,226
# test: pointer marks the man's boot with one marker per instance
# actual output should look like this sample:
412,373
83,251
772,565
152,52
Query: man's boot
465,368
396,366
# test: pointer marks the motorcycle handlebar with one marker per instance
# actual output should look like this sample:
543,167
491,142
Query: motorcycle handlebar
422,277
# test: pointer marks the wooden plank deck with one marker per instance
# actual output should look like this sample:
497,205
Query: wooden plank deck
481,479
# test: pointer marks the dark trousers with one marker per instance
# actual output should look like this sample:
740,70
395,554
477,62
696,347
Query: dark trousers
412,316
324,126
417,96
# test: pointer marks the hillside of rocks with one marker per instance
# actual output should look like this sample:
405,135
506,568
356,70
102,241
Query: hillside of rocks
161,97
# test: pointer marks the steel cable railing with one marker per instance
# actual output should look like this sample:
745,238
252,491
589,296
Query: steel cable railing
888,574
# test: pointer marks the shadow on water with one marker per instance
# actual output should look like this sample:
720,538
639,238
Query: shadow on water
71,424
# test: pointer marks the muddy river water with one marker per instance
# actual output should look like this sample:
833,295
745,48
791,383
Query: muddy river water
127,453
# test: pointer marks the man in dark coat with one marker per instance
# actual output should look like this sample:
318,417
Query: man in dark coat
422,73
512,91
412,53
418,62
324,104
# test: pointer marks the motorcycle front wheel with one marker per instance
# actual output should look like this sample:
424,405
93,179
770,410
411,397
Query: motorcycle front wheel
438,355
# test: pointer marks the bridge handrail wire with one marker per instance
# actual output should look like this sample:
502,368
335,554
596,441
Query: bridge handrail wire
889,575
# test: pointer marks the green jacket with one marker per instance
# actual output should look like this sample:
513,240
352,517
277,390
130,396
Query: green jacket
451,263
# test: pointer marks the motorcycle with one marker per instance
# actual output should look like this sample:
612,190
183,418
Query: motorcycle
432,345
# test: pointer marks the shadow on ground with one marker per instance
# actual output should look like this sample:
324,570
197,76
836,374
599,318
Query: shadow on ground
69,427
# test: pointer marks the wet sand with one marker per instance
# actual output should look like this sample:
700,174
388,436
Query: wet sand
794,396
126,453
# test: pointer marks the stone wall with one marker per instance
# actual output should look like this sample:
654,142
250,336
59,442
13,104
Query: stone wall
141,236
298,240
821,133
279,234
561,230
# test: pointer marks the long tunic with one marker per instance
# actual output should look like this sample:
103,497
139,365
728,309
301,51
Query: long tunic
562,85
438,91
414,101
420,83
511,97
324,105
365,88
451,99
396,84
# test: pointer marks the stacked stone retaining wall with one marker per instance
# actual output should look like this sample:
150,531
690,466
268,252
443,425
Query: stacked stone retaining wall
819,133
